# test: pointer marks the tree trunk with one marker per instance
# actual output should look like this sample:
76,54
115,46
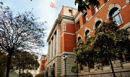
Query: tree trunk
8,64
124,57
19,72
112,68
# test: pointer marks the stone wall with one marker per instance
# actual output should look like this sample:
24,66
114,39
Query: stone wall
108,74
69,64
57,62
121,71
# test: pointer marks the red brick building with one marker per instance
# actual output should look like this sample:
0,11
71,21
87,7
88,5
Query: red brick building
72,26
43,62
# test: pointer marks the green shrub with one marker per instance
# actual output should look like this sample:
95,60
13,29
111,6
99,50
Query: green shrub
40,74
28,74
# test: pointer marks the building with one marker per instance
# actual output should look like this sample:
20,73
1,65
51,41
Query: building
59,42
72,26
43,62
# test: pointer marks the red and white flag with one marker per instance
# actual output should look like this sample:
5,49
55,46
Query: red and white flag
53,5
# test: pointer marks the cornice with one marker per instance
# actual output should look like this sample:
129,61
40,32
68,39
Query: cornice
58,21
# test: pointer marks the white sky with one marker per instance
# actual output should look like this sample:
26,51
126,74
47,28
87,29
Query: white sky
42,10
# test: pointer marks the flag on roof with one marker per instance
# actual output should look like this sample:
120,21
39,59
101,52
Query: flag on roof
53,5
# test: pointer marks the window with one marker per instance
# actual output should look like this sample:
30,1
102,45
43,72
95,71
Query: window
97,25
96,9
70,12
79,38
127,1
78,25
86,17
116,16
87,34
64,27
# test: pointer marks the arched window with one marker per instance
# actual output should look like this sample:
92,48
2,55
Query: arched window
87,33
86,16
96,9
79,38
78,25
115,15
127,1
97,25
70,12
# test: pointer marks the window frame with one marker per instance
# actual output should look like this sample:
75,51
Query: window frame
120,17
88,34
127,1
86,16
96,9
78,25
95,26
70,12
79,36
64,27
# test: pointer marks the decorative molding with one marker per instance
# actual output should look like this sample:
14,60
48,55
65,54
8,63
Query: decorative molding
78,37
126,26
127,1
95,21
67,21
68,53
111,6
78,16
86,30
53,29
67,33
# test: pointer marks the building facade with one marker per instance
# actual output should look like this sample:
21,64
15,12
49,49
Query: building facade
43,62
72,26
59,43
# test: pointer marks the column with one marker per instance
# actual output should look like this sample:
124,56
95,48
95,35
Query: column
58,40
52,48
48,50
54,45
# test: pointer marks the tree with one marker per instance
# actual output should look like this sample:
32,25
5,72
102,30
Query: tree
3,61
85,4
28,74
108,44
84,53
25,61
40,75
19,32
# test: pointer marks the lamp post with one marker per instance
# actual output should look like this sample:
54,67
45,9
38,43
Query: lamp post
65,58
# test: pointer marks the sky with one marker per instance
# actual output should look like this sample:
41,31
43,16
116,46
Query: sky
42,10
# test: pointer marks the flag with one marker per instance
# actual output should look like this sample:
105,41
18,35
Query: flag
53,5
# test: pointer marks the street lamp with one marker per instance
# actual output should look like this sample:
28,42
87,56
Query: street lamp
65,58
